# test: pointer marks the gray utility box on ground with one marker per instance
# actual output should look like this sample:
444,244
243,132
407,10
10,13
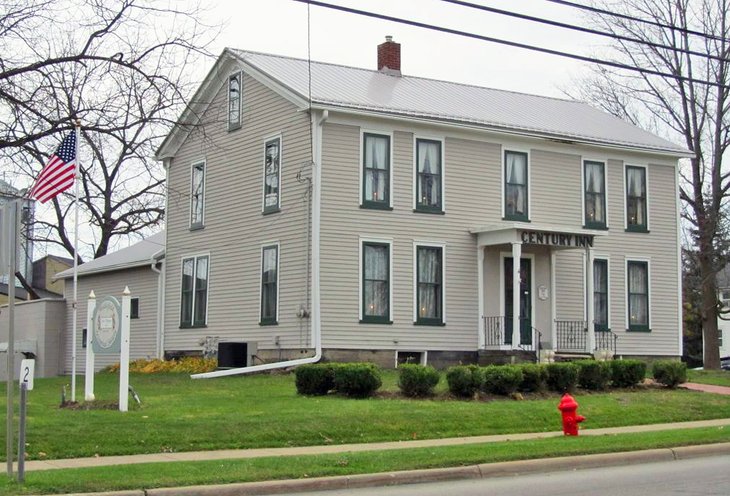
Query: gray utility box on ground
236,354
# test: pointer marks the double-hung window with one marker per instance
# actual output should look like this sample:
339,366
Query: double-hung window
376,171
194,298
197,195
269,285
272,175
594,187
515,186
429,176
600,294
235,90
429,285
636,200
637,275
375,287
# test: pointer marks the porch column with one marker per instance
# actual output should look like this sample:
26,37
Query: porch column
480,295
553,301
590,317
516,255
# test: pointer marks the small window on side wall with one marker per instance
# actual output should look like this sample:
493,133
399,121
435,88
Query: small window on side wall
197,195
235,90
269,285
272,175
134,308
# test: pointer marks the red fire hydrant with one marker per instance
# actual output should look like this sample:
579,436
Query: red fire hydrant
571,419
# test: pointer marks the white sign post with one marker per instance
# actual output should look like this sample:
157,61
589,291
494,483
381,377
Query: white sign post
108,333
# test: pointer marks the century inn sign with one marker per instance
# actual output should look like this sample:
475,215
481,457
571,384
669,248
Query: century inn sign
557,239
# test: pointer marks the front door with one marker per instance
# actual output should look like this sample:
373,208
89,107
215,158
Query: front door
525,300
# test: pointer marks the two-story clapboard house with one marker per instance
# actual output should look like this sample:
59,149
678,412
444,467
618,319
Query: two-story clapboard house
318,209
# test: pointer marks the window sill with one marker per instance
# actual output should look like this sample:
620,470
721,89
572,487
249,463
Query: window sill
596,227
429,323
268,323
375,321
516,219
424,211
637,230
196,227
194,326
233,127
375,206
639,329
271,211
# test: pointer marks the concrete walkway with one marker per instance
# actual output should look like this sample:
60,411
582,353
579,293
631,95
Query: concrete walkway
705,388
344,448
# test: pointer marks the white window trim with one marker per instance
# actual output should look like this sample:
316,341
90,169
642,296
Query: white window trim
278,136
261,276
191,224
531,257
229,125
414,168
627,259
363,132
603,161
430,244
389,242
648,195
207,293
608,287
503,184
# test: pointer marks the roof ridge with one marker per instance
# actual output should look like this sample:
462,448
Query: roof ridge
469,85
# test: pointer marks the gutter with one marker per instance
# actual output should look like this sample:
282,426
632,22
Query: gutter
158,258
317,121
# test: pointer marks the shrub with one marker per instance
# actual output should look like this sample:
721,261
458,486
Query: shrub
669,372
315,379
534,377
562,377
358,380
627,373
417,380
593,374
502,379
464,380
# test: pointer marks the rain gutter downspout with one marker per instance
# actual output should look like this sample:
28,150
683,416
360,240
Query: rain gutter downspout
318,119
157,258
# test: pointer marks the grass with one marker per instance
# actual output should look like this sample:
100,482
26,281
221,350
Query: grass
179,414
714,377
248,470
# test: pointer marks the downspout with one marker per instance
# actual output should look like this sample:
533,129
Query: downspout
317,123
160,299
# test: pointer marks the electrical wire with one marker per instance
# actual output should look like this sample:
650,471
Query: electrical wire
583,58
582,29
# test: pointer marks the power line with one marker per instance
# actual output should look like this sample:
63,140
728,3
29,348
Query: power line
515,44
582,29
640,20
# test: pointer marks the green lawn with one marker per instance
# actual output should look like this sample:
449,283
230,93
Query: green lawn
715,377
248,470
180,414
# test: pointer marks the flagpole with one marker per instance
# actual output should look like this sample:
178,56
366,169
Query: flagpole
76,262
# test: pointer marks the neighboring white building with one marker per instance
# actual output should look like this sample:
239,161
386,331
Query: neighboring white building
723,320
381,218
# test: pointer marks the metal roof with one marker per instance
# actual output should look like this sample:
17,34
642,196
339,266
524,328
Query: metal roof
139,254
369,90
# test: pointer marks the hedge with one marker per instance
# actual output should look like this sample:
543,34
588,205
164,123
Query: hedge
593,374
417,380
464,380
562,377
502,379
669,372
627,373
358,380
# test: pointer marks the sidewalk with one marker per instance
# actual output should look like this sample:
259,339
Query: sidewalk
36,465
706,388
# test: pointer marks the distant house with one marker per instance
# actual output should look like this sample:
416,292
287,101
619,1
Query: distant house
24,255
138,267
45,270
723,320
390,217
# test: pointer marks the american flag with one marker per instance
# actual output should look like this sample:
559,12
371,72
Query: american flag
58,174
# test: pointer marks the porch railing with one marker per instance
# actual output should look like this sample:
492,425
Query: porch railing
498,329
572,336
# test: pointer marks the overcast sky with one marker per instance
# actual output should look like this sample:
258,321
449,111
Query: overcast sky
281,27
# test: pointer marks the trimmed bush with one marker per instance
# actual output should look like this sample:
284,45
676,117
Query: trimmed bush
417,380
464,380
358,380
593,374
669,372
627,373
502,379
315,379
534,378
562,377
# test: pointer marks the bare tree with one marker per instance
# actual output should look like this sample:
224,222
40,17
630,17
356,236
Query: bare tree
120,67
696,35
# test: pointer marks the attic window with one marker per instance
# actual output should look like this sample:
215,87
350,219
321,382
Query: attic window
234,101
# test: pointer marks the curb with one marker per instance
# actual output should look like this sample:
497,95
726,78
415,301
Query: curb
482,471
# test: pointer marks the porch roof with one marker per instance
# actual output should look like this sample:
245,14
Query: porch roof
559,237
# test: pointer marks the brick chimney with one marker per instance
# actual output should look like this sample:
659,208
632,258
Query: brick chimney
389,57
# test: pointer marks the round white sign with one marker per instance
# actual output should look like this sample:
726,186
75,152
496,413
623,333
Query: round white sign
106,323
